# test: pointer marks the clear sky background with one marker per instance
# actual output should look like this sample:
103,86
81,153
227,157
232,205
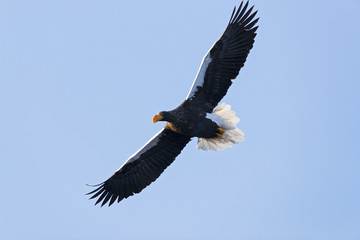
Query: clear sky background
81,80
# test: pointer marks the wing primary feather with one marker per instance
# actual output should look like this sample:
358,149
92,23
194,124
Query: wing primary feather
101,197
252,31
120,198
232,20
246,21
250,25
107,198
113,198
242,12
232,15
94,185
246,15
98,193
94,190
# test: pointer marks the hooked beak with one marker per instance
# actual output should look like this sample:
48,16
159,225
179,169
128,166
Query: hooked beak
157,117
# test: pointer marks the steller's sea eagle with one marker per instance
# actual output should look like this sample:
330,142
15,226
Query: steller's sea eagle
195,117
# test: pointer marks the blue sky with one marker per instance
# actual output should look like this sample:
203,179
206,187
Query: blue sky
81,80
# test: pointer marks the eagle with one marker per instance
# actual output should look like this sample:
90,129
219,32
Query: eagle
195,117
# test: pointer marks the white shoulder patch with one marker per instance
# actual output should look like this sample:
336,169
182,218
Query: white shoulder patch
151,143
215,118
200,76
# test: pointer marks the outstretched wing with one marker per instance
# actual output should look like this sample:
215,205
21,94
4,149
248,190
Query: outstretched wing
142,168
223,61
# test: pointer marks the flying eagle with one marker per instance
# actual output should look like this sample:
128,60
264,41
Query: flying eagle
195,117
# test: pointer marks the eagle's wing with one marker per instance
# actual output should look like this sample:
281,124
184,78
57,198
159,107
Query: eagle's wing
223,61
142,168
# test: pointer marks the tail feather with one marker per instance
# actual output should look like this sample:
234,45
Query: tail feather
225,118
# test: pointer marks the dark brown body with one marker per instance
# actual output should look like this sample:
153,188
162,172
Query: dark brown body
189,121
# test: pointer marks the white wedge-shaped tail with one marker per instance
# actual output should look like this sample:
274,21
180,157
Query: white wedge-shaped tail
224,117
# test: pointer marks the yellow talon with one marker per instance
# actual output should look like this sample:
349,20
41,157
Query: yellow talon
220,132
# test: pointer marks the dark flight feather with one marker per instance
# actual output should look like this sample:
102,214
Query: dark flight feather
135,175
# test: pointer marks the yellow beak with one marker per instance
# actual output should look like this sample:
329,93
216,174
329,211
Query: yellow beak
156,118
